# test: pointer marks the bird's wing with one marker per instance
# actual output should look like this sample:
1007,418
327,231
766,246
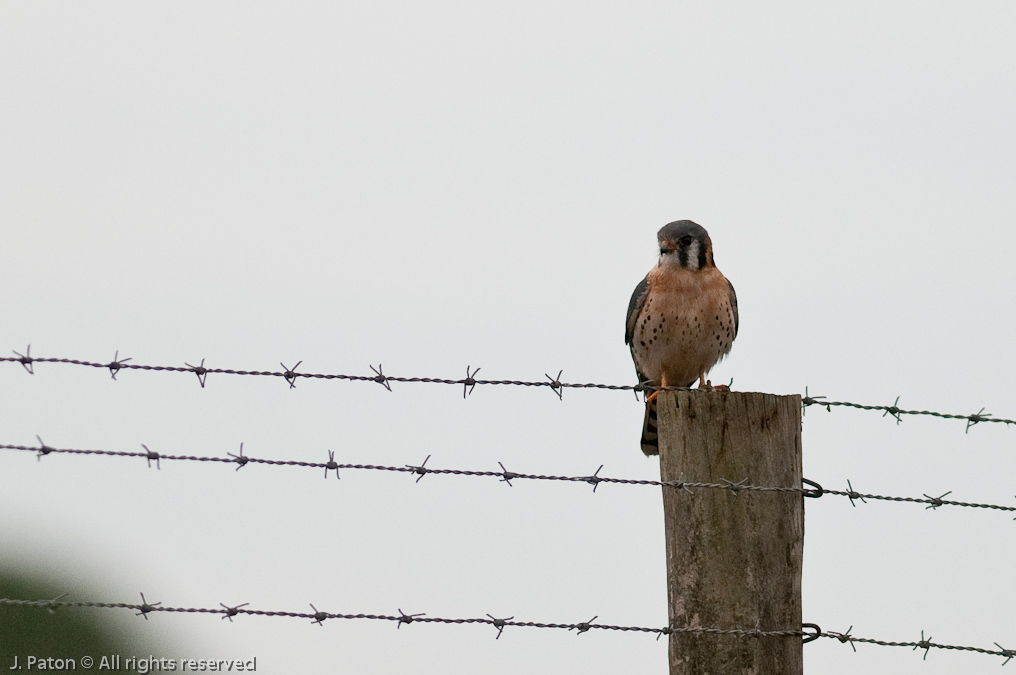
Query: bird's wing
638,300
733,305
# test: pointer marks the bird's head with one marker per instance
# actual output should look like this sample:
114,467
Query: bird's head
685,244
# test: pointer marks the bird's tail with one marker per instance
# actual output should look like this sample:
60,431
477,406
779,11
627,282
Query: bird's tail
650,437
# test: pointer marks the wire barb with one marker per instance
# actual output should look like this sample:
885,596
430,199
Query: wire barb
332,465
240,460
894,411
499,624
116,364
506,475
145,607
979,416
924,644
735,487
845,637
200,371
584,626
756,632
380,378
854,495
51,605
679,484
936,501
232,611
26,360
595,479
808,400
556,385
408,618
318,616
43,449
468,385
290,374
422,469
149,455
1007,653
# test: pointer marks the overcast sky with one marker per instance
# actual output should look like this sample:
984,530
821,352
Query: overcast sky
442,184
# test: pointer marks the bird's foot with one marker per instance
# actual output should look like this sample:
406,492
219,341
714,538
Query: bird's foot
708,386
653,396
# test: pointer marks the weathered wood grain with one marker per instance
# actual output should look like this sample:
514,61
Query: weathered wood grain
733,561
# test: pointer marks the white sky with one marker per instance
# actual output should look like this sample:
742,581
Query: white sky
431,185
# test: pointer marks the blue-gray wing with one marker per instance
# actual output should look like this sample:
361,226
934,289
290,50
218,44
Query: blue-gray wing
733,305
638,299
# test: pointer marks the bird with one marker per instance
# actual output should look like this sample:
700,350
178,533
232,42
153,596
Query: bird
682,318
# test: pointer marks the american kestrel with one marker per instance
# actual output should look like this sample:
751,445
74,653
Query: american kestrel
682,318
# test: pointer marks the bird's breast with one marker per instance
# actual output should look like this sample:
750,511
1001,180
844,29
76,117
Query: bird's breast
686,324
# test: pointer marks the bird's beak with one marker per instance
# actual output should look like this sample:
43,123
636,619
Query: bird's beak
666,247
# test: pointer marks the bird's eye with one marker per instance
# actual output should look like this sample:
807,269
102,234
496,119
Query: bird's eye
686,240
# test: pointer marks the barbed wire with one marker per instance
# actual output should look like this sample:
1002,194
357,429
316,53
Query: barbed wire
924,643
808,631
814,490
290,375
319,617
895,411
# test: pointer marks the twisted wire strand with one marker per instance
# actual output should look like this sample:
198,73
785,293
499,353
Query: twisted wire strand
895,411
319,617
290,375
468,383
504,475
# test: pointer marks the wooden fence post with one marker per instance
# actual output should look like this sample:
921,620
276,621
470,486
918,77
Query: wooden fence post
733,560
